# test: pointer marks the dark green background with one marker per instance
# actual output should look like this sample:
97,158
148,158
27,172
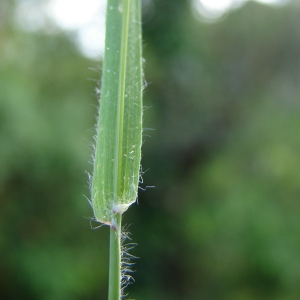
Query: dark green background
223,221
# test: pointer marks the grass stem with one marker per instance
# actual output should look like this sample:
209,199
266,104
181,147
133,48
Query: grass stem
114,289
117,159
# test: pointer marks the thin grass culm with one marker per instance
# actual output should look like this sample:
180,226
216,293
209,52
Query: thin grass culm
116,174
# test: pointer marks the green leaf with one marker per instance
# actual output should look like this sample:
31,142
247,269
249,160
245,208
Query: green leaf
119,137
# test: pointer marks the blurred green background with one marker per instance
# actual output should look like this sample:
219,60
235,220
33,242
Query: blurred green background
223,99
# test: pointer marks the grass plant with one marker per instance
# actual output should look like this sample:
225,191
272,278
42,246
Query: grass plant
117,156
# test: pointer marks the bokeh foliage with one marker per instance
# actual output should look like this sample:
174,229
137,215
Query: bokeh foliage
223,221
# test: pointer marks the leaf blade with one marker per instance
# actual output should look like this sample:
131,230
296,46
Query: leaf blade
118,147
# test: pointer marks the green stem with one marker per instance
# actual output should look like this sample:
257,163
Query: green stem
114,289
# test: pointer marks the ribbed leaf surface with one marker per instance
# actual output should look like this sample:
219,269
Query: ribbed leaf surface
119,137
